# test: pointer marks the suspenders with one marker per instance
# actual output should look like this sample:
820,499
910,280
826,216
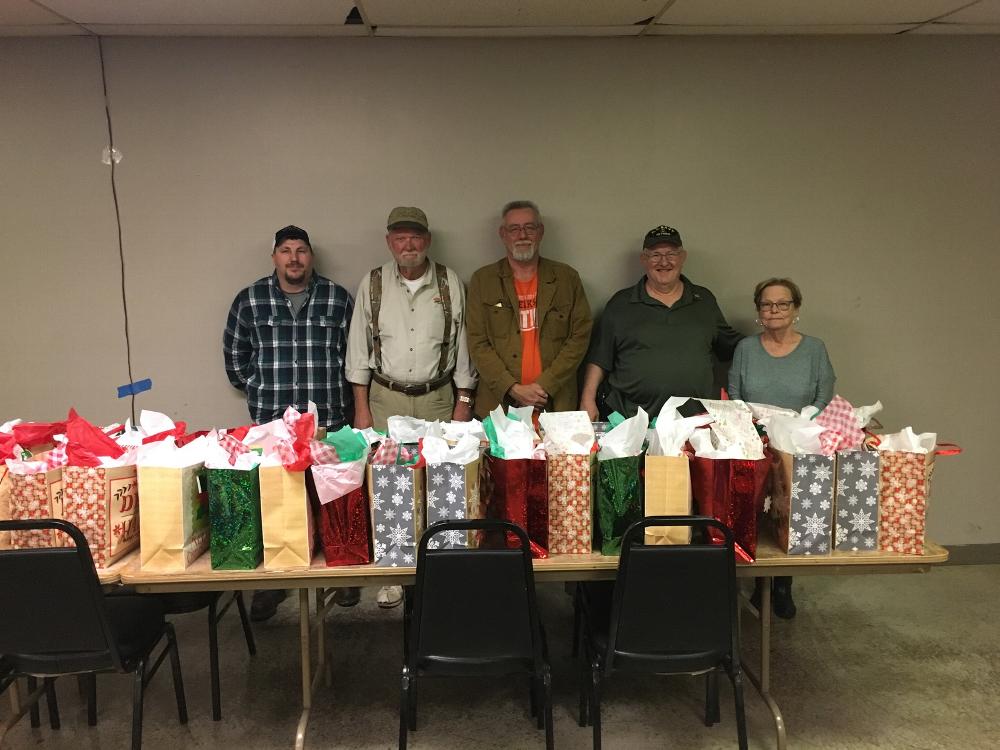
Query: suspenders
375,299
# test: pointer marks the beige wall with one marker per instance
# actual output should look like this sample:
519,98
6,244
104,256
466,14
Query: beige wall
865,168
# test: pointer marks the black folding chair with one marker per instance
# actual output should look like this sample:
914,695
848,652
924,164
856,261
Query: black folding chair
57,621
492,629
671,610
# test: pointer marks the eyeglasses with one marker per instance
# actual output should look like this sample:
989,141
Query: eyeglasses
529,229
784,306
669,255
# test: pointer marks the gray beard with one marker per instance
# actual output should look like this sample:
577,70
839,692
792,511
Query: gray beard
523,255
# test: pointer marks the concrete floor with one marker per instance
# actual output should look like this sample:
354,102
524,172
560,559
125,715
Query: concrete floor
888,661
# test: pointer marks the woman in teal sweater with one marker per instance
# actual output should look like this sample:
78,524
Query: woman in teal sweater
781,367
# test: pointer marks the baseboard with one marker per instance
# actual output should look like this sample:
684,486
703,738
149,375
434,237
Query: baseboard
973,554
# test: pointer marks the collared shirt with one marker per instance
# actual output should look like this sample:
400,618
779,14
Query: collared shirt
411,328
651,351
281,359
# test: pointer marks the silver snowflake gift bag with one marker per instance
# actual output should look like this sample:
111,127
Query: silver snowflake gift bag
397,505
453,495
857,505
802,502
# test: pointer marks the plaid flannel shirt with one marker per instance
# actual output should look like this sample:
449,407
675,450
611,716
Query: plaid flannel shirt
281,360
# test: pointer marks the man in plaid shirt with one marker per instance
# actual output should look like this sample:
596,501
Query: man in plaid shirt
285,345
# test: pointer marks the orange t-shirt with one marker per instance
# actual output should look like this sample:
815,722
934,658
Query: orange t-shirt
531,354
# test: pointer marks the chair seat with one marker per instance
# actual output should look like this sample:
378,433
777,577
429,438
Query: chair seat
445,666
184,602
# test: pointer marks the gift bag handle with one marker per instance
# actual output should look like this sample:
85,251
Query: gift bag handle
947,449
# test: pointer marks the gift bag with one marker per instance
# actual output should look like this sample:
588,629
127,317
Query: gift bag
35,495
731,490
907,462
667,492
802,495
343,511
517,491
19,440
104,503
571,480
237,541
452,495
857,496
619,499
286,518
396,491
173,525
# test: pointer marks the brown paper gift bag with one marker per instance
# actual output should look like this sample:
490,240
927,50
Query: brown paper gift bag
667,493
173,525
286,518
104,503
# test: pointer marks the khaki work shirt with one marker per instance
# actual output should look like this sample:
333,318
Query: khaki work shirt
411,326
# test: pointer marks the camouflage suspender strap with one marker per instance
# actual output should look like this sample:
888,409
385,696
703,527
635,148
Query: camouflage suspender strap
375,299
445,293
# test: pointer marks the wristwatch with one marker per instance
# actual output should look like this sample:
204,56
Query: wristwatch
466,399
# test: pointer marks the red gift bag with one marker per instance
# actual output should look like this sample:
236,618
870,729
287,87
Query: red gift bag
343,524
517,490
732,491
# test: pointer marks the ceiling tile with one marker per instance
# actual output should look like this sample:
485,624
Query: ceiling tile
663,30
305,30
484,13
25,13
507,31
197,12
958,28
775,13
985,11
47,29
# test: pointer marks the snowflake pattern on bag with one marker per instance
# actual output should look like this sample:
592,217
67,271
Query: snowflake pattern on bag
810,520
397,514
451,498
857,517
905,487
570,505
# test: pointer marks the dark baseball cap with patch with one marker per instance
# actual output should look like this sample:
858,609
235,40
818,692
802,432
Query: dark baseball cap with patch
662,235
407,217
291,232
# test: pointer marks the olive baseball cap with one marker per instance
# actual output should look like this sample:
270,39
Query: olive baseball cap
407,217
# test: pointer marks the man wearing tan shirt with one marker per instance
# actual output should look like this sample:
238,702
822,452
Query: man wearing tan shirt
406,351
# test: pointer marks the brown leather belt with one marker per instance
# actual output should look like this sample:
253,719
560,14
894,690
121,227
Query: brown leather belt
411,389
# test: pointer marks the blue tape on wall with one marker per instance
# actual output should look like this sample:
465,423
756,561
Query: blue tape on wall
130,389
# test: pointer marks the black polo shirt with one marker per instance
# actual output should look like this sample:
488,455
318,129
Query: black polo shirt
651,352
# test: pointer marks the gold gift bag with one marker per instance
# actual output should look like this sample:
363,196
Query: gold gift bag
668,493
285,518
173,525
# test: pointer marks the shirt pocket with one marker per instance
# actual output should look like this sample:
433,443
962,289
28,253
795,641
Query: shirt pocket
555,327
324,337
499,319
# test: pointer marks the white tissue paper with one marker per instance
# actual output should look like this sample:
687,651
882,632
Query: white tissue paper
793,434
524,413
760,412
908,441
732,432
567,433
517,439
436,450
217,457
672,430
407,429
452,431
626,439
8,427
336,480
166,454
863,414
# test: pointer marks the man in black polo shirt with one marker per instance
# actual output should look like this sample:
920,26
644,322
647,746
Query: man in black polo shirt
655,339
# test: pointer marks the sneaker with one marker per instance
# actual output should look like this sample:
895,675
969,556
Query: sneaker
347,597
389,596
265,604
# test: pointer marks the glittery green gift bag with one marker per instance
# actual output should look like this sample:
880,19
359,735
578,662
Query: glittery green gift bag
234,511
619,499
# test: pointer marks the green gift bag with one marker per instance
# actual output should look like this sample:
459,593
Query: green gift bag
619,499
234,513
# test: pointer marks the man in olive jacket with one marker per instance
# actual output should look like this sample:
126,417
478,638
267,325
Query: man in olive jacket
528,321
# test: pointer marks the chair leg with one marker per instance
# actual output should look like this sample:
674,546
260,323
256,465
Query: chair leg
577,621
537,692
412,716
712,698
137,696
404,707
547,702
52,702
533,695
595,702
247,629
175,667
35,716
91,683
736,676
213,660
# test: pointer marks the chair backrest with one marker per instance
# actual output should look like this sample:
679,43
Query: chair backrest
672,601
52,600
474,606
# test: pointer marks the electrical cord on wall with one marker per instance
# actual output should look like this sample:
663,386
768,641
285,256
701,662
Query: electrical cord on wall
118,216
